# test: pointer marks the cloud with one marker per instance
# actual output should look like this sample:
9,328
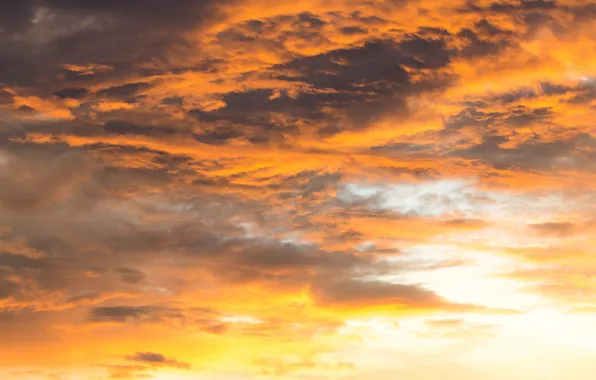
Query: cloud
125,91
202,319
370,293
155,359
124,128
533,154
73,93
221,175
112,27
554,228
130,276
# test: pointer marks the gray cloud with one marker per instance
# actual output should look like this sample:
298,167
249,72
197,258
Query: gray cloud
130,276
155,359
355,292
121,34
73,93
535,154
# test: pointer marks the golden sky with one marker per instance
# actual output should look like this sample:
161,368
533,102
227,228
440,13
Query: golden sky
301,190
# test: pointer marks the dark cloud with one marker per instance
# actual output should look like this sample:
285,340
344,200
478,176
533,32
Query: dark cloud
375,66
176,101
583,12
182,14
73,93
20,262
15,15
566,153
368,19
8,288
155,359
321,183
26,109
429,53
517,95
584,93
297,258
350,30
125,128
354,292
404,147
251,114
362,82
149,357
521,116
308,20
433,31
130,276
554,89
56,280
538,4
515,116
511,7
125,91
119,33
533,15
218,136
476,47
30,279
201,318
123,314
473,117
487,28
6,97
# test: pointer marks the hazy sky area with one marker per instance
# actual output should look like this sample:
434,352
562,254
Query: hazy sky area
297,190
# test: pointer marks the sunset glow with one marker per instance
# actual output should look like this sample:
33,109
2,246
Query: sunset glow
301,190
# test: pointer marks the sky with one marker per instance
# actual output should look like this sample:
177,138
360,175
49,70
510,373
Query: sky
300,190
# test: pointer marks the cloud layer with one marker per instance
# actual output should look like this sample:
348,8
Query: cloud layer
249,188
